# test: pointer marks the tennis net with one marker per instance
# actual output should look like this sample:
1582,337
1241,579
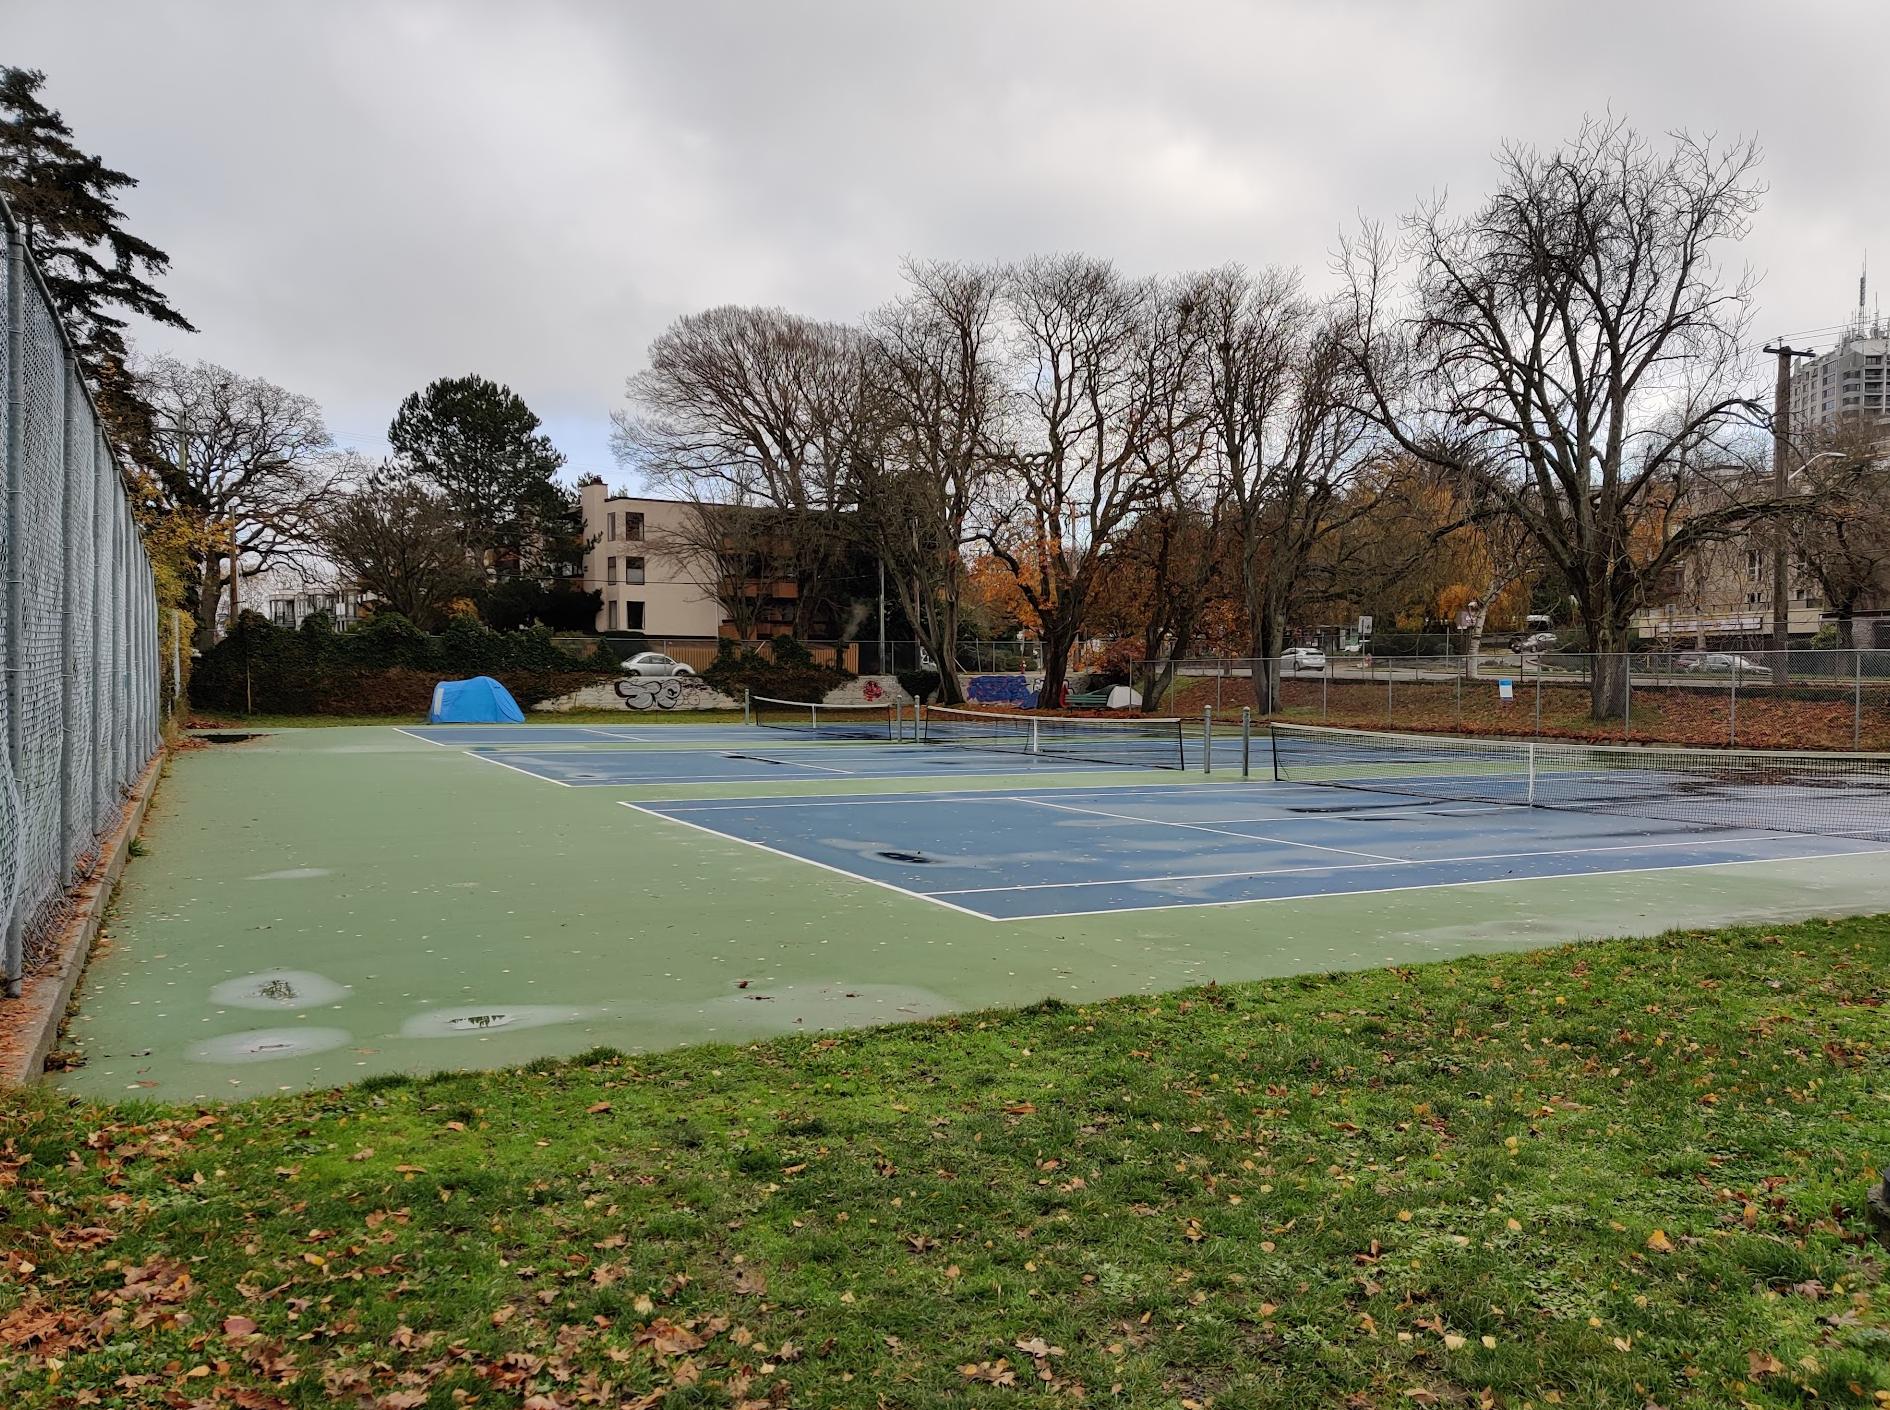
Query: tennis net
1136,743
1846,795
826,721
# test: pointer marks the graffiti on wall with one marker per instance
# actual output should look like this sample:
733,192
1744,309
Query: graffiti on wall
1003,690
668,693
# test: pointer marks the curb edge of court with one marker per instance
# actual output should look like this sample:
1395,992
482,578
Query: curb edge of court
45,996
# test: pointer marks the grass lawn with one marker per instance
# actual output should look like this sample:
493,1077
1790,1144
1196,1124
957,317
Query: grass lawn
1619,1174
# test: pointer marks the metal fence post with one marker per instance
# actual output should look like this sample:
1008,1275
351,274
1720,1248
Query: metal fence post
1857,699
1246,743
1538,728
1207,741
1627,694
1732,720
1325,680
13,924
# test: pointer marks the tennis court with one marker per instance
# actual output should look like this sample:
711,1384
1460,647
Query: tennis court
318,905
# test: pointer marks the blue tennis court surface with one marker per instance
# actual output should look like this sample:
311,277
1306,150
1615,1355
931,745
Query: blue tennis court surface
1014,843
1033,854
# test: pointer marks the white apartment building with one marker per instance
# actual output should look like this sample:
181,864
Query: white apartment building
647,586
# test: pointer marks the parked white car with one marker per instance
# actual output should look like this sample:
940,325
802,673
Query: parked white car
654,663
1296,659
1533,643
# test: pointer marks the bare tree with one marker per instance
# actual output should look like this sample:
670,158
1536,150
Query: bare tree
246,461
1073,448
1844,546
1573,348
1289,443
921,459
402,542
745,413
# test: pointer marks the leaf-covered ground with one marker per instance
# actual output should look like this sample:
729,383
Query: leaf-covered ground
1621,1174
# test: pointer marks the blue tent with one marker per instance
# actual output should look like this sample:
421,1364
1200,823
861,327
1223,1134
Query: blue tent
479,701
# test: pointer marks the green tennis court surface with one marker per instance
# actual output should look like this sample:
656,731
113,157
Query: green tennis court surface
316,906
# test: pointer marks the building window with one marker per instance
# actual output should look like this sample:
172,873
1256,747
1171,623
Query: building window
633,570
613,526
632,616
633,527
348,608
610,570
613,614
1753,564
282,611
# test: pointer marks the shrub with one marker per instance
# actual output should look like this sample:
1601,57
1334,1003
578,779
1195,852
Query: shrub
920,685
739,666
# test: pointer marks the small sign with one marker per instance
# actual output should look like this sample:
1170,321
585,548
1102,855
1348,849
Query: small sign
1506,690
1364,626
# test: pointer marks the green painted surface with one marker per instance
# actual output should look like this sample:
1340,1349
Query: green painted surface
404,891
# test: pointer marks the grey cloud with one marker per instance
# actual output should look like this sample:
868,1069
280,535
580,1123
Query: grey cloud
361,196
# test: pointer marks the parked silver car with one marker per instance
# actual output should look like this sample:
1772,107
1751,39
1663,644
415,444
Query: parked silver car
1533,643
1722,662
655,663
1296,659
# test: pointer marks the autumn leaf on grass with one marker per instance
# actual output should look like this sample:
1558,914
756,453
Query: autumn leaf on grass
1762,1363
597,1108
750,1282
997,1373
665,1338
1659,1242
238,1327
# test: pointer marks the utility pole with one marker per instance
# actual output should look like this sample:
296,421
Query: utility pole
1781,477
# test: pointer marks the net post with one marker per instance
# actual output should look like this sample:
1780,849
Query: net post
1207,740
748,706
1273,742
1532,773
1246,742
1036,744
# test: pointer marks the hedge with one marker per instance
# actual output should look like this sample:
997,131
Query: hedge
387,666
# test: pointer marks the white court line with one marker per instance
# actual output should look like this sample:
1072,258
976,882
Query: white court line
1074,790
424,739
542,778
1353,866
605,733
1203,827
807,861
1427,886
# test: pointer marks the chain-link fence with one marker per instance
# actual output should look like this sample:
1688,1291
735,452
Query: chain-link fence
1800,699
78,634
864,657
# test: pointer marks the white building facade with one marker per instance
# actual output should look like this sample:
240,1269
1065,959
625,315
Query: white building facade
630,557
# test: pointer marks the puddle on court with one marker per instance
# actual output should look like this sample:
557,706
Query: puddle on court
292,874
832,1005
279,989
474,1019
268,1044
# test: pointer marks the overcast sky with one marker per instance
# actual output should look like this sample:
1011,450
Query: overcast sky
359,197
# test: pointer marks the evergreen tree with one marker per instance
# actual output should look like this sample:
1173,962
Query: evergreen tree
479,445
97,272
